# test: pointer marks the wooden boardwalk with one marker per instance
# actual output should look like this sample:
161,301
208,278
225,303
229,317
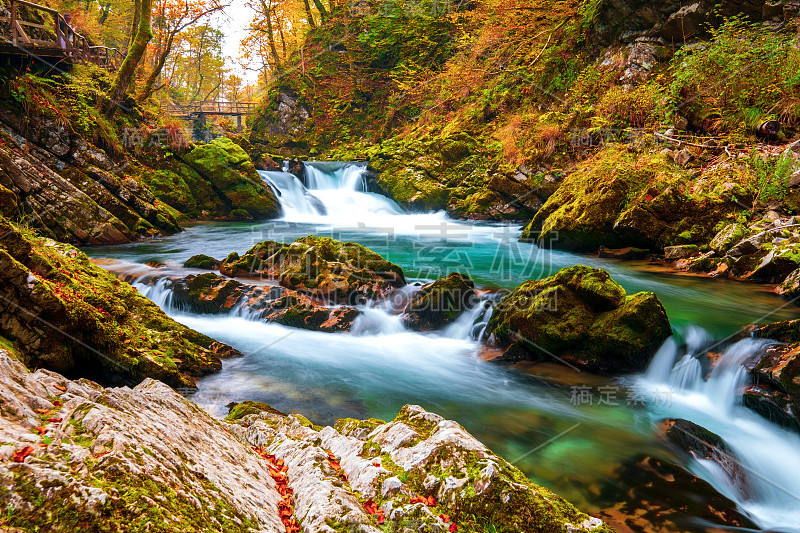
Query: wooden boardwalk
29,30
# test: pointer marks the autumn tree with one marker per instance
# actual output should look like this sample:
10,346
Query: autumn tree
127,70
172,18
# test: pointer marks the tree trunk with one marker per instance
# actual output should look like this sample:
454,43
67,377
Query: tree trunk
309,15
148,90
271,36
137,11
126,71
323,13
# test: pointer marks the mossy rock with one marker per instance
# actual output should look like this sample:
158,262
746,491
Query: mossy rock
202,261
440,303
580,316
239,410
73,317
231,174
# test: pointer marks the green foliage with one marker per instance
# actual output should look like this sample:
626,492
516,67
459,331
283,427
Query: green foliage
745,75
770,176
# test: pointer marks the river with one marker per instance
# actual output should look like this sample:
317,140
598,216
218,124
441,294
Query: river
568,430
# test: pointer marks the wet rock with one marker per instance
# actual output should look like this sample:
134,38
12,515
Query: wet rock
440,303
747,246
582,317
773,404
698,442
69,315
203,262
321,267
213,294
684,251
651,494
628,253
777,374
234,179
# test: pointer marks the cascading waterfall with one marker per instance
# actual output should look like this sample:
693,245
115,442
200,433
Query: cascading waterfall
768,454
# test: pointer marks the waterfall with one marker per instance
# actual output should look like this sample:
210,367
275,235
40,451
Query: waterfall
768,455
472,322
294,198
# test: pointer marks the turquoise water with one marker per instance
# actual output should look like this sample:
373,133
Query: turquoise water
537,416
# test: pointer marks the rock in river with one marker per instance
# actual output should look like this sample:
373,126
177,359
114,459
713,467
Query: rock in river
582,317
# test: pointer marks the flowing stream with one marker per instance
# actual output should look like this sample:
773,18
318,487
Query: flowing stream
538,417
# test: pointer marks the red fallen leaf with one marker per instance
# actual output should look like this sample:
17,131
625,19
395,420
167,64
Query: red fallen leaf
42,445
59,387
380,517
41,411
445,518
370,507
41,430
335,465
431,501
453,527
143,337
127,341
57,403
376,464
20,455
54,419
279,462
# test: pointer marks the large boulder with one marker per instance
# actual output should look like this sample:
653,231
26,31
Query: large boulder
222,175
321,267
213,294
418,468
582,317
440,303
66,314
75,456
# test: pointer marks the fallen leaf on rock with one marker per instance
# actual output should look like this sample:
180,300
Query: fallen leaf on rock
445,518
453,527
335,465
376,464
381,517
54,419
431,501
41,430
41,411
59,387
370,507
20,455
57,403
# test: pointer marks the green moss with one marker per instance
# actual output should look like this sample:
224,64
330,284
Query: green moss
237,411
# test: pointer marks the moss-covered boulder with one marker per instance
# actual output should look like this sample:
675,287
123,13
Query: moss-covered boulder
619,199
580,316
213,294
440,303
790,288
321,267
203,262
215,180
68,315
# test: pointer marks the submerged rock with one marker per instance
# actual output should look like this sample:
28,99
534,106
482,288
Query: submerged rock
321,267
440,303
124,459
66,314
698,442
582,317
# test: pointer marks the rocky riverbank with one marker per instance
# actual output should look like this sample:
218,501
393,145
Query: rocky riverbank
77,455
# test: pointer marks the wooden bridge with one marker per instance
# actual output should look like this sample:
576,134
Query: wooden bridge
35,31
211,108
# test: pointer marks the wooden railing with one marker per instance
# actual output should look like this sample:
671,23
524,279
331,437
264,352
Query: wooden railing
57,39
212,107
